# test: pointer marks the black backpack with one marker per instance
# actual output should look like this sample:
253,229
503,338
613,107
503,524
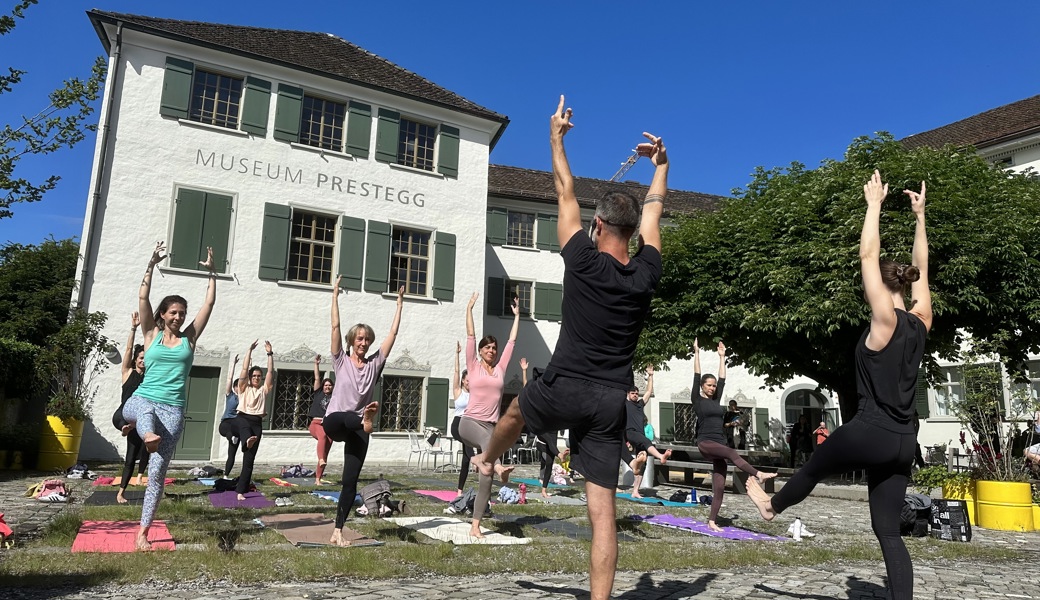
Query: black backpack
915,515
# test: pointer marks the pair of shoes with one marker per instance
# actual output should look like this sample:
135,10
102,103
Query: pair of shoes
450,510
283,502
802,531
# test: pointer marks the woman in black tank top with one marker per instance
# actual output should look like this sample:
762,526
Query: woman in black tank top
881,438
133,375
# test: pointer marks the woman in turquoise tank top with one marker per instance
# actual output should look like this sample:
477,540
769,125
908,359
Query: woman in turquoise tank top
157,407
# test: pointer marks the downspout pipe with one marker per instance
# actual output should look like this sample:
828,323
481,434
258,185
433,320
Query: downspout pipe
99,173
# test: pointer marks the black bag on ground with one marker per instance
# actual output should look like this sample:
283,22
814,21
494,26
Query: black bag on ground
224,485
949,520
374,495
915,515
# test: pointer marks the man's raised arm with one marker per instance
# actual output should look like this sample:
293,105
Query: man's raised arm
653,205
569,220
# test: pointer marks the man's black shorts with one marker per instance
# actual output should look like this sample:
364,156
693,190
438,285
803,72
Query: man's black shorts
594,413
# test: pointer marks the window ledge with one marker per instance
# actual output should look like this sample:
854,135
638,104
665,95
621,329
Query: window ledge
522,248
321,151
433,174
287,433
392,435
423,299
207,126
324,287
193,272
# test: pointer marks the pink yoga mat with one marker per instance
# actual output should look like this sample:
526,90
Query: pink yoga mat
446,495
118,536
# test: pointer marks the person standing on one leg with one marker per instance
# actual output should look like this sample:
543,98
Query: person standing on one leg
157,407
352,410
634,433
709,436
320,398
133,375
228,428
881,437
253,389
608,296
460,391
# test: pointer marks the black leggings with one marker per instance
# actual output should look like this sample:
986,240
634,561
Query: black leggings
247,427
467,452
227,429
718,454
134,448
548,451
346,427
887,457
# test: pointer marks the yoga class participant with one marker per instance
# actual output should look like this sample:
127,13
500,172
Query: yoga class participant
546,443
349,418
228,428
253,389
607,297
460,391
881,437
709,435
487,379
635,427
157,407
133,375
320,398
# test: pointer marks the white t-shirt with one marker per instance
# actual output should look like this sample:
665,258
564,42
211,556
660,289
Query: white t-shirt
461,402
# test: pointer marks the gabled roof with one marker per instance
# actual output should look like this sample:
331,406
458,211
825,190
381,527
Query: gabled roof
319,53
992,127
528,184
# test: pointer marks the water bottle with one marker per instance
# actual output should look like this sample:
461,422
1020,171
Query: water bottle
693,496
797,526
523,493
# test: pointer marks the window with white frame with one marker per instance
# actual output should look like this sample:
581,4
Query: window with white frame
312,246
215,99
520,230
401,403
948,391
415,144
521,290
1026,396
409,260
322,122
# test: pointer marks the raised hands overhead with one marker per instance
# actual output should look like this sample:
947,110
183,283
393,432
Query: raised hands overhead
874,190
654,150
135,319
523,364
158,255
916,200
560,121
722,349
208,263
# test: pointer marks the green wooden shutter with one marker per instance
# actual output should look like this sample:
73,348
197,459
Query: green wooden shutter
666,417
189,216
437,404
388,133
351,252
541,301
359,129
497,225
216,230
546,231
448,154
762,428
444,267
274,246
495,294
921,394
377,257
287,113
176,90
256,106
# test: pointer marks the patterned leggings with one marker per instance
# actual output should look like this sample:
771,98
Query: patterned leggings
167,422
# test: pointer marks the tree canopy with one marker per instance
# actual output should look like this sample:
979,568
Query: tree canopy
775,273
36,283
61,123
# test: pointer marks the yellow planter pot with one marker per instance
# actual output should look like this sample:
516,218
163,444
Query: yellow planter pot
1005,505
59,444
1036,516
962,490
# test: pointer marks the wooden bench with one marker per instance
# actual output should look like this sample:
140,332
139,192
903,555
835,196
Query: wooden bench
662,473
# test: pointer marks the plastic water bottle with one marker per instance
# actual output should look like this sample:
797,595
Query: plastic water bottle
693,496
523,493
797,526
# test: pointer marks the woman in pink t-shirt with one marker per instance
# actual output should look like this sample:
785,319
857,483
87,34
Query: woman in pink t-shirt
487,377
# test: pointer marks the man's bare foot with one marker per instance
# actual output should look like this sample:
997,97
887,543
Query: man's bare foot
367,417
251,441
126,429
503,472
666,456
760,498
337,539
481,465
141,542
475,531
119,497
712,526
763,476
151,442
241,497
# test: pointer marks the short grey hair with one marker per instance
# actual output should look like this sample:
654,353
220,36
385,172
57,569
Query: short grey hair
620,212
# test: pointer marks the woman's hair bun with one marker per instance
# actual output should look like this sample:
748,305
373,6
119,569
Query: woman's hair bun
908,274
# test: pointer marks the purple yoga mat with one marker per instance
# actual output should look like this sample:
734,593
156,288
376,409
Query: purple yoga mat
695,526
230,499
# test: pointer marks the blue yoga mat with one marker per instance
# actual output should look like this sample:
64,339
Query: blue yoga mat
334,496
655,501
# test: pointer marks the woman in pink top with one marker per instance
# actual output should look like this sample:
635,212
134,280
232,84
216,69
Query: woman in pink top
487,377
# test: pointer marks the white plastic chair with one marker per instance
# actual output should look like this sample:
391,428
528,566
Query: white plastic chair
417,447
434,449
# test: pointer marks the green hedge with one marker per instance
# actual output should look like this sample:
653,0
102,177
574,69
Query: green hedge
17,367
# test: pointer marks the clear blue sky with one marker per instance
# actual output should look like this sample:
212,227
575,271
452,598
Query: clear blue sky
729,85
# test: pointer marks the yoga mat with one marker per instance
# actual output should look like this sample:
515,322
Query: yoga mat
108,498
103,481
561,527
695,526
445,495
118,536
534,482
312,530
334,496
557,499
210,481
303,480
452,530
656,501
144,480
283,483
229,499
439,483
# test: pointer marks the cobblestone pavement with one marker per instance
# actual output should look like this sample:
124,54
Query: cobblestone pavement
939,580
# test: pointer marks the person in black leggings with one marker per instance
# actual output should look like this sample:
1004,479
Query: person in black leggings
253,389
460,388
352,409
881,437
635,424
133,375
228,427
709,435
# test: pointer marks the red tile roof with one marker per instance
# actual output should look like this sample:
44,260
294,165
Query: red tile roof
992,127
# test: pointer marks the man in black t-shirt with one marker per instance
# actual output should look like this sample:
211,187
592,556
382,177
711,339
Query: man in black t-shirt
607,295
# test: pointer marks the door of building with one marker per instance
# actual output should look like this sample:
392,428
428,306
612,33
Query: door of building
197,437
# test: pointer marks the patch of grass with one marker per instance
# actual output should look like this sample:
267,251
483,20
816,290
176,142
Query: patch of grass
62,530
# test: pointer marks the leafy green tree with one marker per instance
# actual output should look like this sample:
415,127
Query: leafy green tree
775,271
71,362
36,283
60,125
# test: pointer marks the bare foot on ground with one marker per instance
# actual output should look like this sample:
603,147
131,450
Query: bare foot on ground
545,494
761,499
667,455
712,526
481,465
126,430
368,416
503,472
141,541
119,497
151,442
475,531
337,539
635,493
251,441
